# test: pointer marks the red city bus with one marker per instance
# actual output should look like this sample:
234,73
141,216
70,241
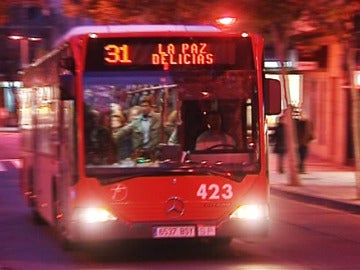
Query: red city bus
148,131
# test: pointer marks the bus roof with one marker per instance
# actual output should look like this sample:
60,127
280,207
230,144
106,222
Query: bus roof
134,28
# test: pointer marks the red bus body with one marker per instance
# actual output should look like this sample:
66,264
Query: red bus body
175,191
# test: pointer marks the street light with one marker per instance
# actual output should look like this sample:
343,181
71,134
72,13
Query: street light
24,47
226,21
357,78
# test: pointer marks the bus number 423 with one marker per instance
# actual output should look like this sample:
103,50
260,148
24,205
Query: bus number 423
215,192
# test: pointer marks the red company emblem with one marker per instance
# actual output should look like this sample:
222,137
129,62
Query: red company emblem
119,193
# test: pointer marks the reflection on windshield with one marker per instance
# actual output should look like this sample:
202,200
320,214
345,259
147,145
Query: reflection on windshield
153,119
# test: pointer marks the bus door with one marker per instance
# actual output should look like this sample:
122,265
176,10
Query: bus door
67,163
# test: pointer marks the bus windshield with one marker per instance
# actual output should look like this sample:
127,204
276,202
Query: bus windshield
146,120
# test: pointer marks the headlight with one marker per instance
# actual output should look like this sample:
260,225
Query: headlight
92,215
251,211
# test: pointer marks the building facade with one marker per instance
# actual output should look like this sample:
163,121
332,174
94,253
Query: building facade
28,34
327,101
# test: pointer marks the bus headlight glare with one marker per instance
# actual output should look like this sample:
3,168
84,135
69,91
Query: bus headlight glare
93,215
251,211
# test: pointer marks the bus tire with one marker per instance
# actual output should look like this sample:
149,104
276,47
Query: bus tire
66,244
31,197
36,218
60,228
223,242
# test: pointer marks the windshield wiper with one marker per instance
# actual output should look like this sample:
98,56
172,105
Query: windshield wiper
218,169
108,174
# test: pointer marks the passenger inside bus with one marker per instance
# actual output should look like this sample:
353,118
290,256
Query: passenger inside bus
144,130
98,143
170,128
214,138
118,121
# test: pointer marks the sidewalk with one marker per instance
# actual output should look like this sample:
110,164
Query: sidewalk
8,130
323,184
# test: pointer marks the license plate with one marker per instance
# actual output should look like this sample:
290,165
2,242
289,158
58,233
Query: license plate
206,231
174,232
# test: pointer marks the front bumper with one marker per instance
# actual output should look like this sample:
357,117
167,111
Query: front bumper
114,230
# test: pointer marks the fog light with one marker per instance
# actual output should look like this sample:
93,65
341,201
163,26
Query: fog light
93,215
251,211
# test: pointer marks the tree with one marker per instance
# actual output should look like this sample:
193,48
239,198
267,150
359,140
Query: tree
324,18
6,4
285,19
277,21
139,11
4,10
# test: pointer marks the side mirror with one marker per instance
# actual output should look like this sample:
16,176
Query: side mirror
272,96
68,63
67,87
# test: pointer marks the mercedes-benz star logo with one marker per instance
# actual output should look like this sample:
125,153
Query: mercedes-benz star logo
174,207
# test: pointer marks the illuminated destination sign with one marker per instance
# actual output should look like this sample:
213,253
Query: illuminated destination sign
160,53
165,54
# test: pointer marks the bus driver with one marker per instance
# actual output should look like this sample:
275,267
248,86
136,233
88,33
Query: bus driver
214,137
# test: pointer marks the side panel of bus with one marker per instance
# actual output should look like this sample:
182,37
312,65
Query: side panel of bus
46,132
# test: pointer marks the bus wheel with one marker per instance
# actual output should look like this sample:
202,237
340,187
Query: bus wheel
37,219
66,244
61,231
31,198
221,243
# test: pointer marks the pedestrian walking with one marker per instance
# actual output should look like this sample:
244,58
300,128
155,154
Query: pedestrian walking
280,144
304,131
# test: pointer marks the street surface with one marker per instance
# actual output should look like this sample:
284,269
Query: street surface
302,236
9,145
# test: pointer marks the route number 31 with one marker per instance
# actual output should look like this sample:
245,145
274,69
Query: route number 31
215,192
